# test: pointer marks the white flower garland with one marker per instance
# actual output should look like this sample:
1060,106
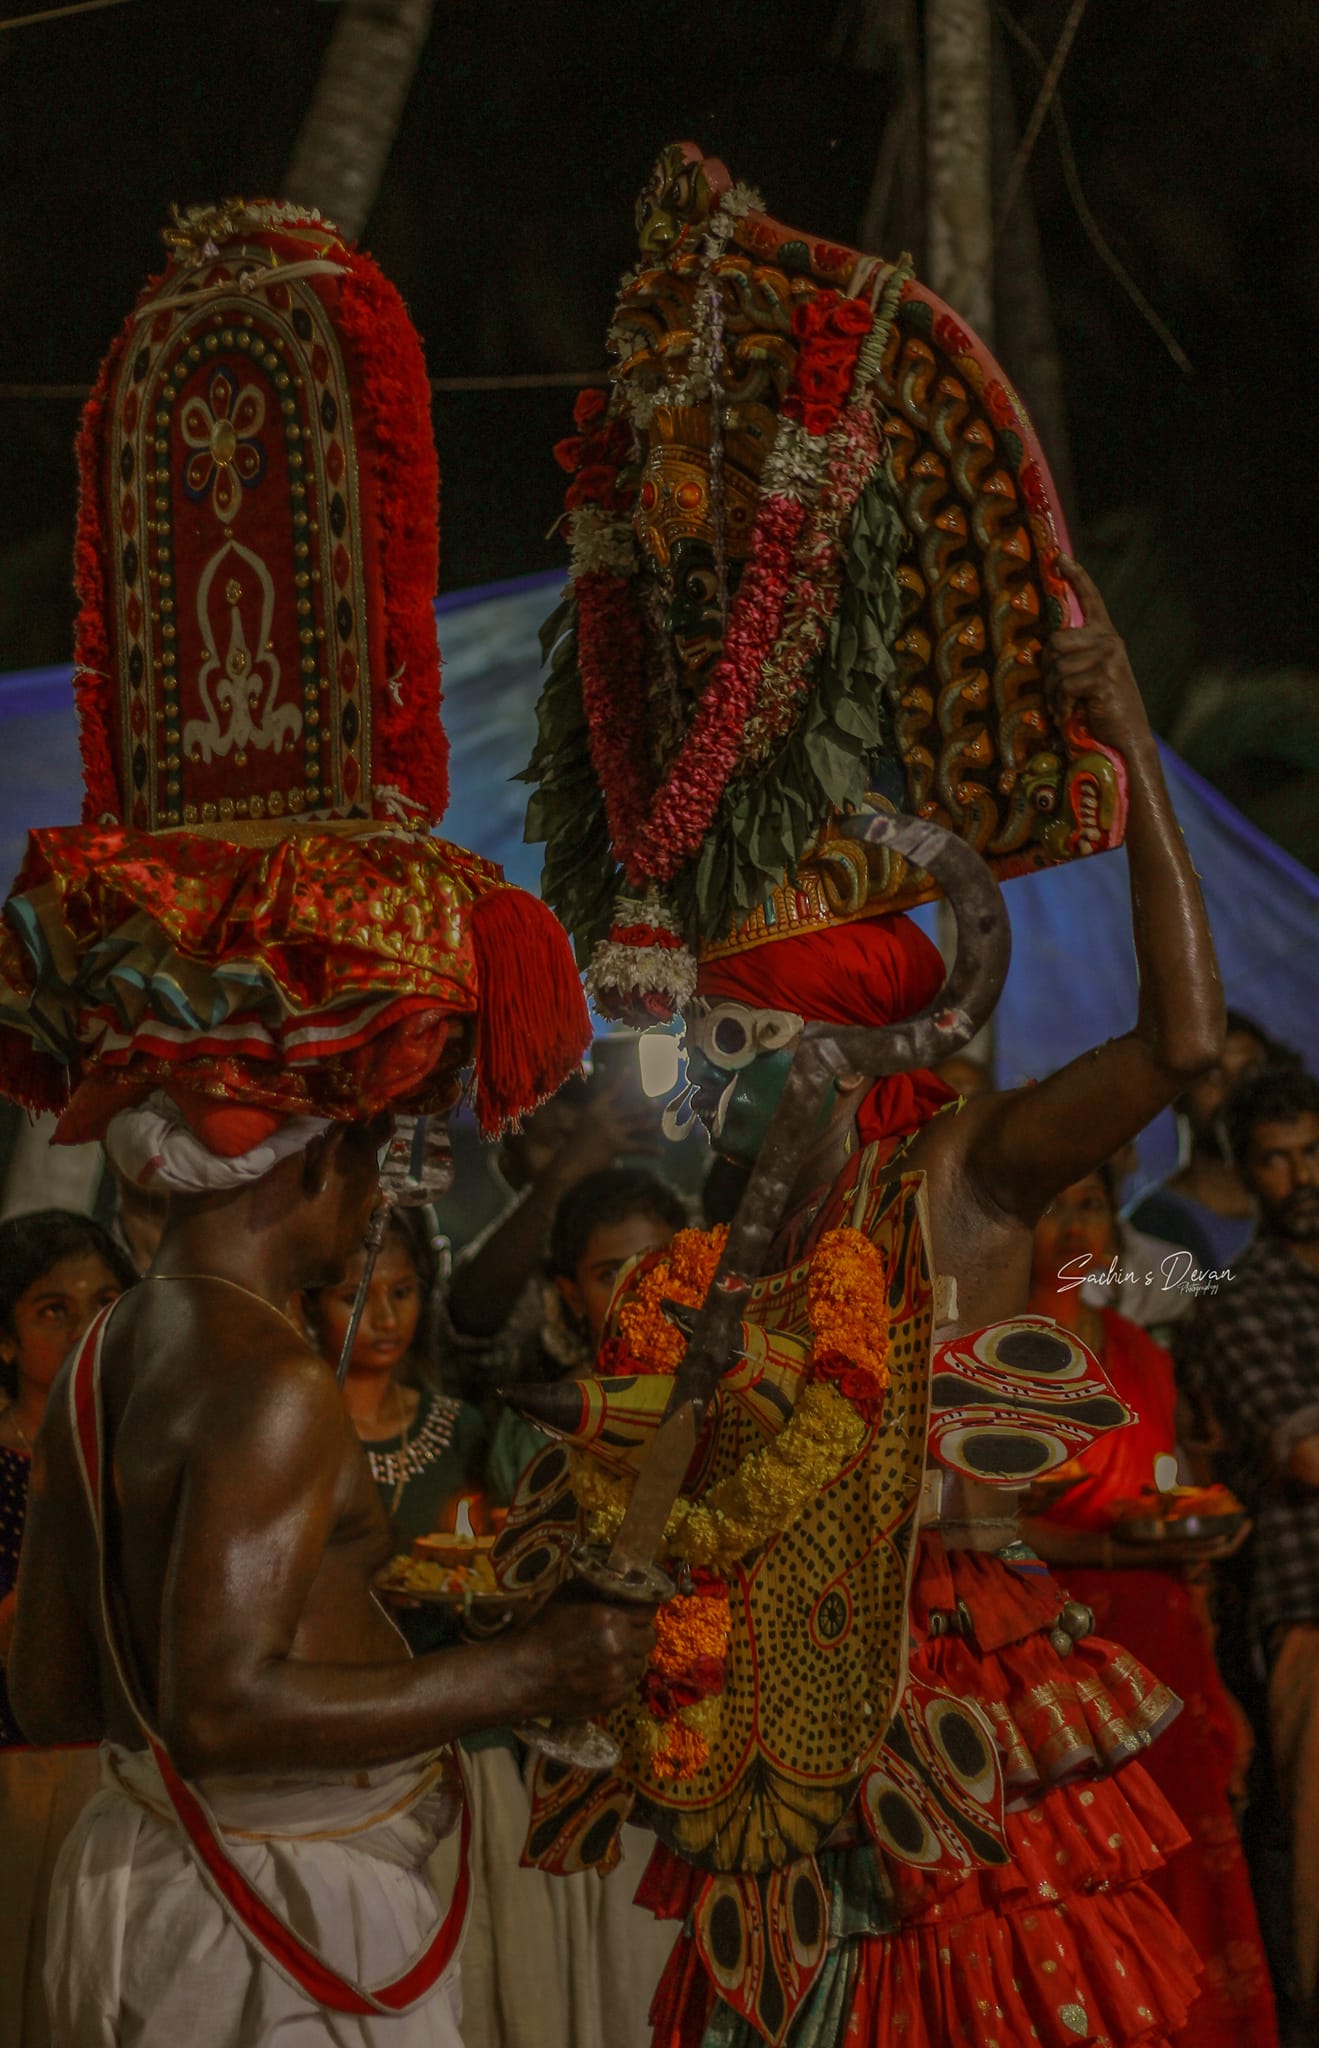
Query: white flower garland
796,464
601,540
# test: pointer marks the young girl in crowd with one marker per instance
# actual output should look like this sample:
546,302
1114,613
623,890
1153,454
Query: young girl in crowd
422,1446
1146,1597
57,1271
547,1962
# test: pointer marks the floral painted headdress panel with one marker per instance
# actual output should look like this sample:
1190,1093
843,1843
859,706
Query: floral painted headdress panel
814,546
258,540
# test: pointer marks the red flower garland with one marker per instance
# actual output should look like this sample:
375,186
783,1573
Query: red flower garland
829,331
653,839
594,457
611,656
684,808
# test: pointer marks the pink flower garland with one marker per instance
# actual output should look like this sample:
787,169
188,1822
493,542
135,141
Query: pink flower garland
816,583
653,839
684,807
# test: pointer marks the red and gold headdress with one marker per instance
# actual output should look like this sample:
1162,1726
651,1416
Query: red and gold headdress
814,548
254,910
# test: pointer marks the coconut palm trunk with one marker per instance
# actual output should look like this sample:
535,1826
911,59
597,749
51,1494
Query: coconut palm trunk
349,130
959,159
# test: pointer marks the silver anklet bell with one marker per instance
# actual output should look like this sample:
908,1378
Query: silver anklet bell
1074,1622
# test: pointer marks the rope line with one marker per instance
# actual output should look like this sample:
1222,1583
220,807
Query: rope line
57,13
533,380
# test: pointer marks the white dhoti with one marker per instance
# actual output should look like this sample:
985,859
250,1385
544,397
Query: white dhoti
612,1953
141,1953
550,1962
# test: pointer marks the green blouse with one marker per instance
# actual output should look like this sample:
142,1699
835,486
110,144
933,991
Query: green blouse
417,1475
419,1472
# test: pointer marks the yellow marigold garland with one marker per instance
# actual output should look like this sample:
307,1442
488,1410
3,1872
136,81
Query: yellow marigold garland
768,1491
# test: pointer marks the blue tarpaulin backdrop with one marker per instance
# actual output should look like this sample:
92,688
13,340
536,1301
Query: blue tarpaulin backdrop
1073,978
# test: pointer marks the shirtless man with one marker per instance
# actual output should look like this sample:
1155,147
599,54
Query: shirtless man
244,1534
234,977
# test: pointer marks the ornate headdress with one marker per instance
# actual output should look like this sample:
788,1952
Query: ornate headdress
253,910
814,547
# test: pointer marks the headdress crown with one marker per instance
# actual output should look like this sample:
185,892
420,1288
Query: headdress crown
259,539
879,628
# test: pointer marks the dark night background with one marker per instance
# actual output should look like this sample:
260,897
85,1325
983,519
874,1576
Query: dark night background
505,219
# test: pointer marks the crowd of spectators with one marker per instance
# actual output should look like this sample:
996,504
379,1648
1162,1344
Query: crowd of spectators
1219,1264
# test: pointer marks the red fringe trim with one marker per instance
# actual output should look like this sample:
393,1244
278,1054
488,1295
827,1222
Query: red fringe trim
29,1077
532,1025
410,750
95,675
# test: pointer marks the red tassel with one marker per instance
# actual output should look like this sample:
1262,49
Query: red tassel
532,1025
395,436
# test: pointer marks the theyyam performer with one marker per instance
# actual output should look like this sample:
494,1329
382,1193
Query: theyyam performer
820,581
249,956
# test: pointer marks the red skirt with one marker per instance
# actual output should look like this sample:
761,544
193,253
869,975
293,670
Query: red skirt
1066,1944
1206,1885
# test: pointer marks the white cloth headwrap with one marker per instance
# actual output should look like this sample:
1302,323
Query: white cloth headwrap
153,1147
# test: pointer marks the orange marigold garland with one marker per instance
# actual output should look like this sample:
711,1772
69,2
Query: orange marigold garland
648,1341
847,1308
687,1672
849,1318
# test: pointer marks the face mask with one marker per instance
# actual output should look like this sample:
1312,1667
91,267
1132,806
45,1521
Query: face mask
738,1061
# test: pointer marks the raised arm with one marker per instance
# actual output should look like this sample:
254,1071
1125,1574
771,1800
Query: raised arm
257,1511
489,1280
1023,1147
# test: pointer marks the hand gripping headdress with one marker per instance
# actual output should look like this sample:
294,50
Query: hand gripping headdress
814,547
253,921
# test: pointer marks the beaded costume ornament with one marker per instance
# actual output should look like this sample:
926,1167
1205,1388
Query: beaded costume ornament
814,563
254,910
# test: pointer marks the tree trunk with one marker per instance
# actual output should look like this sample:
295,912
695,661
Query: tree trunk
958,156
888,46
960,224
350,126
1027,340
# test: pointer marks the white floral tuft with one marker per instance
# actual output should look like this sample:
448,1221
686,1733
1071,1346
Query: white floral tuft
622,972
795,465
648,909
601,540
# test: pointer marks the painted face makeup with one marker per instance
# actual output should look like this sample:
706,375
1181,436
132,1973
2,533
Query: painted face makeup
738,1061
